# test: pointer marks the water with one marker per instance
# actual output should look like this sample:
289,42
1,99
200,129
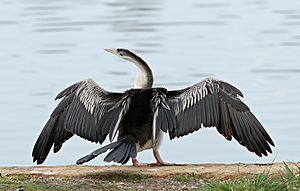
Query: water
48,45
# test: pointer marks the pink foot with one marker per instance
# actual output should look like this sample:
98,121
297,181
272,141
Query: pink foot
135,162
154,164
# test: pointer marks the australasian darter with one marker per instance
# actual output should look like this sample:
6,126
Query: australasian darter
140,116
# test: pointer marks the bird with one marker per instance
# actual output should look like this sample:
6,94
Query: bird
136,119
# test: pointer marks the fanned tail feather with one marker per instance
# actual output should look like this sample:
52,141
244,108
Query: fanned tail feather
122,151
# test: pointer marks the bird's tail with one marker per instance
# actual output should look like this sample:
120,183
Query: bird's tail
121,152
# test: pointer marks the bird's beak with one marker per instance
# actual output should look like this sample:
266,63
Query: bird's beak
110,50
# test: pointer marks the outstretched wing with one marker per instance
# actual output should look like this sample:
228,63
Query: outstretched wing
86,110
212,103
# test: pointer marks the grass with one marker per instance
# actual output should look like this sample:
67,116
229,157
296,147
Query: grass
287,180
61,184
182,178
117,177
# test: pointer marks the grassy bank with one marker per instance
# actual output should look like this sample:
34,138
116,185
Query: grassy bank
286,179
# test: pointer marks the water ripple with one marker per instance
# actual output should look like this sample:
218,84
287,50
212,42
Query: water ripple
53,51
212,5
272,71
44,8
60,29
118,73
285,11
40,94
8,22
290,44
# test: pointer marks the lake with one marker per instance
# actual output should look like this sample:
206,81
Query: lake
46,46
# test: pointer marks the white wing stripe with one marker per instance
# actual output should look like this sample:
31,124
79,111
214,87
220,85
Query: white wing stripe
112,137
154,126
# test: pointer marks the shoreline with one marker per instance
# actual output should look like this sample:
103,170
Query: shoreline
207,177
211,170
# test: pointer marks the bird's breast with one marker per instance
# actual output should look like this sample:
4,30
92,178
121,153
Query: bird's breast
147,145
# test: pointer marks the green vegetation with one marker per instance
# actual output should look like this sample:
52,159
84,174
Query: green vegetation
61,184
115,176
136,177
182,178
287,180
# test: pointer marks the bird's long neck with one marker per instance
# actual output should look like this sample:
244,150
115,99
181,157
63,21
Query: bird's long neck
144,79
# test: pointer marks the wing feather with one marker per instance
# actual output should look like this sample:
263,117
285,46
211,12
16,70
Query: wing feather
194,118
61,135
215,103
86,110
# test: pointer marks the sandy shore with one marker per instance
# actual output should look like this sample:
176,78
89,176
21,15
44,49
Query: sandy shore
209,170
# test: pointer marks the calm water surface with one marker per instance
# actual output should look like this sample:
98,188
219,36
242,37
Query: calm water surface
47,45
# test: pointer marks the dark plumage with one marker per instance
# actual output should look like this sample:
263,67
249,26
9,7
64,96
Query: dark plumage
139,116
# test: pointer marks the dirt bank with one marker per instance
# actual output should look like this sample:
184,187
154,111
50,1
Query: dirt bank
186,177
210,170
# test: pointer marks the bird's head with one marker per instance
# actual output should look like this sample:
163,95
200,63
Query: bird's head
144,79
123,53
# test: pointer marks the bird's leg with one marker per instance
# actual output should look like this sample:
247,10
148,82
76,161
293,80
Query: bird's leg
159,161
135,162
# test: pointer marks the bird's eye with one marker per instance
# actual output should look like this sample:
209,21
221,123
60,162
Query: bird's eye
119,52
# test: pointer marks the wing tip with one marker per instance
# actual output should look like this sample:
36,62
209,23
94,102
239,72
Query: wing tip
271,142
232,88
38,160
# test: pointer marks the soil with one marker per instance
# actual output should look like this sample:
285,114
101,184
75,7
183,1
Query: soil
184,177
